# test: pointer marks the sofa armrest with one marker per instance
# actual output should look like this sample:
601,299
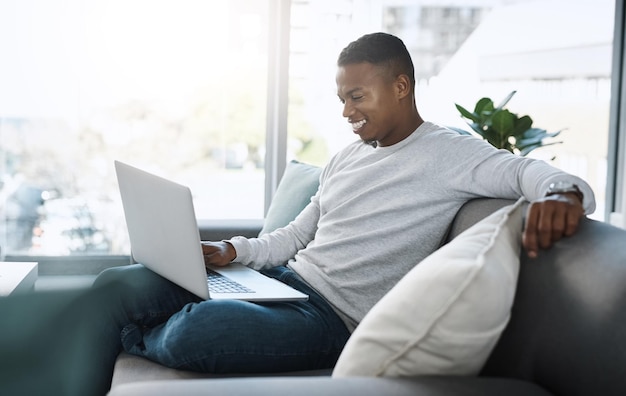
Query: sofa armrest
327,386
568,325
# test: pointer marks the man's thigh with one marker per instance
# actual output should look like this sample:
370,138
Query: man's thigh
229,336
147,299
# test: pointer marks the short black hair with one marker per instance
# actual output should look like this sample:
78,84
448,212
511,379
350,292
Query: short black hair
379,49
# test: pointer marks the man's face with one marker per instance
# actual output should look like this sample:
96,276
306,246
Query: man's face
370,102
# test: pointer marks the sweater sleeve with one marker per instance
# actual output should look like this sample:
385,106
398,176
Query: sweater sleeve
488,172
278,247
546,174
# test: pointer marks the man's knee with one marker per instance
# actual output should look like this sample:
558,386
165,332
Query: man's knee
135,274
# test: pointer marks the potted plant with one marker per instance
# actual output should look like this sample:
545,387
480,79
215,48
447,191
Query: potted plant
504,129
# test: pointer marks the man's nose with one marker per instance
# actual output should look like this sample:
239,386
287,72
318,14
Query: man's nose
347,110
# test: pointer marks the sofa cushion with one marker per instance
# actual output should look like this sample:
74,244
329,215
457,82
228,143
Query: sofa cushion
130,368
298,184
446,314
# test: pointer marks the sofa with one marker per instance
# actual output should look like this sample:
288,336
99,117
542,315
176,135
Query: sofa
565,333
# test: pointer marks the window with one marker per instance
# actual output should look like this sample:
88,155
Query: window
562,73
175,87
182,88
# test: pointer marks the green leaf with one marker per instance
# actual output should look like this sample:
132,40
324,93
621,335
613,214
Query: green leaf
465,113
491,135
528,148
484,105
506,100
524,151
478,128
536,138
522,125
503,128
553,134
533,132
503,122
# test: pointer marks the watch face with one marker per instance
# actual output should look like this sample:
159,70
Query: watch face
561,185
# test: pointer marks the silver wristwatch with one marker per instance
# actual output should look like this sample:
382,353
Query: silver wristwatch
564,187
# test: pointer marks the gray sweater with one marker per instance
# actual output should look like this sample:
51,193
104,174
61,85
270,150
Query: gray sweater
380,211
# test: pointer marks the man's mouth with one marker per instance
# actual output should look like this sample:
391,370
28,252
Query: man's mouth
358,125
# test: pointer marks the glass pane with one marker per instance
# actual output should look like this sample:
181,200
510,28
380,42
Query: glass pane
561,73
175,87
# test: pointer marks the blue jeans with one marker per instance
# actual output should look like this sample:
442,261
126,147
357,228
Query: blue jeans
158,320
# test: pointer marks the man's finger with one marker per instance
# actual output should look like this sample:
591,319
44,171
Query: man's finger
529,237
559,222
573,219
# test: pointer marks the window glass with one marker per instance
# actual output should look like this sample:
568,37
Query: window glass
179,88
175,87
464,51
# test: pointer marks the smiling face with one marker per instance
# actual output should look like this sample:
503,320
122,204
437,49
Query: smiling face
375,103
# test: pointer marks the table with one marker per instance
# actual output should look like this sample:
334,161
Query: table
17,277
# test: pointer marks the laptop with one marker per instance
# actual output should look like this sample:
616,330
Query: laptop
164,237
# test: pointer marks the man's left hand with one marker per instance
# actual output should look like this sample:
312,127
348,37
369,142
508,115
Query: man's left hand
549,219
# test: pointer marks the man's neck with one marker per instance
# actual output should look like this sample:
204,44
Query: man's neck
410,125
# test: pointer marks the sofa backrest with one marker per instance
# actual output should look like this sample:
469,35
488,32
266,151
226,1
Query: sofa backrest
472,212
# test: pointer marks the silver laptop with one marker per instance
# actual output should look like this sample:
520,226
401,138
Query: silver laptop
164,237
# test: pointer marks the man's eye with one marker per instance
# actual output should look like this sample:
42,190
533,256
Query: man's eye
359,97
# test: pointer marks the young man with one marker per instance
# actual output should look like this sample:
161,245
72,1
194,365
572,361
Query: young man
384,203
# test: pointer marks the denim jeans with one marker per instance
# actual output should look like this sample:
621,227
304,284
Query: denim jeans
156,319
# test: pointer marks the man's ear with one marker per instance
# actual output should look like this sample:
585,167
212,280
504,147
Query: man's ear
403,86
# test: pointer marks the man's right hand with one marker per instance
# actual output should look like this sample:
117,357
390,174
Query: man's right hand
218,253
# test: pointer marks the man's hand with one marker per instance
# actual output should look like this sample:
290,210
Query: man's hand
549,219
218,253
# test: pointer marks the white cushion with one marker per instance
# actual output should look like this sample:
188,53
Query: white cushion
446,315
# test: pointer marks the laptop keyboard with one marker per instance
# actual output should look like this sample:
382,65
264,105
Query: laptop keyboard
218,283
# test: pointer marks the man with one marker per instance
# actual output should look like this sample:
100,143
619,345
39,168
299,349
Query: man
384,203
389,199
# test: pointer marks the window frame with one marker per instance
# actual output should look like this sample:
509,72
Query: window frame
615,212
277,97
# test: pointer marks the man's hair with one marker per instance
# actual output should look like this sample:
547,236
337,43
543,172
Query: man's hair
381,49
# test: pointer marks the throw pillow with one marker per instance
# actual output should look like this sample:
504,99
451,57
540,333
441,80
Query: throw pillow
446,315
298,184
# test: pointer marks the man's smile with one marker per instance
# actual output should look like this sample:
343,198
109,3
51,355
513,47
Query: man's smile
358,125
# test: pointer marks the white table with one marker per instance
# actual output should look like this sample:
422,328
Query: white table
17,277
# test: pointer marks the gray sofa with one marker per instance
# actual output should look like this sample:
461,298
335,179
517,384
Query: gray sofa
566,336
